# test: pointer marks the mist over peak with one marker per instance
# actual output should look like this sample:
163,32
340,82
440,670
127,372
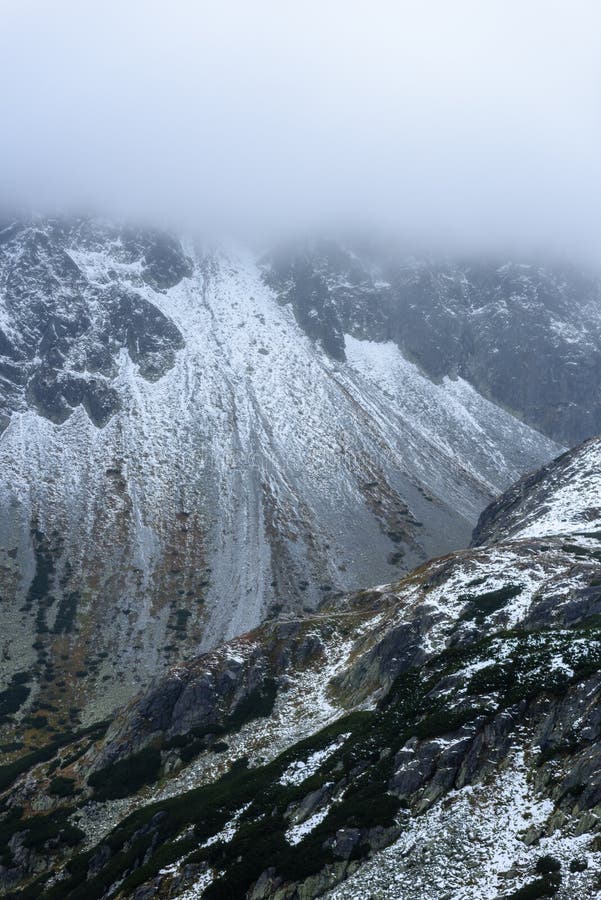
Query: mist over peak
476,125
300,314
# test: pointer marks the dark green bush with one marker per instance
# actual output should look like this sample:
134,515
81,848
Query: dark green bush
191,750
126,776
61,786
547,886
547,864
482,605
12,699
52,827
66,614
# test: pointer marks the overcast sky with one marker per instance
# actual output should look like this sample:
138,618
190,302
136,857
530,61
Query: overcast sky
472,120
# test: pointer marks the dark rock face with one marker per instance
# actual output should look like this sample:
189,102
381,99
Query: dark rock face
60,344
306,288
527,336
216,692
164,263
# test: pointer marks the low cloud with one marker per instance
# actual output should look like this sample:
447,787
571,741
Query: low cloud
471,122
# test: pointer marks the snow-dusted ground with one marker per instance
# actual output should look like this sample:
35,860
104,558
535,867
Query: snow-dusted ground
303,708
561,501
477,573
574,503
296,833
301,769
451,418
471,847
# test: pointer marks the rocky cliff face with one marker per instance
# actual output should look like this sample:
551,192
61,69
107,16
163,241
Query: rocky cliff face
525,335
440,734
185,451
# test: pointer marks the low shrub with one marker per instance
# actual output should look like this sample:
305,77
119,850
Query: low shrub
126,776
62,786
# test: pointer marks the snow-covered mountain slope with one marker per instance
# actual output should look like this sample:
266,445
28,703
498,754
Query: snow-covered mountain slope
439,734
525,334
562,498
180,459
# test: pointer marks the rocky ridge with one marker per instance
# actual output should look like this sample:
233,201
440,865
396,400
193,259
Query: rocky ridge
442,731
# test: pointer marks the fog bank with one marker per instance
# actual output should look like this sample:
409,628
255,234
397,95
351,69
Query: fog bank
478,123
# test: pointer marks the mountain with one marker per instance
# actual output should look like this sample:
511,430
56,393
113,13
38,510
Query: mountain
195,439
526,335
562,498
438,736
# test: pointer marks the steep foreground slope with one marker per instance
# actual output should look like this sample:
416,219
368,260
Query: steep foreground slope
438,737
182,456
